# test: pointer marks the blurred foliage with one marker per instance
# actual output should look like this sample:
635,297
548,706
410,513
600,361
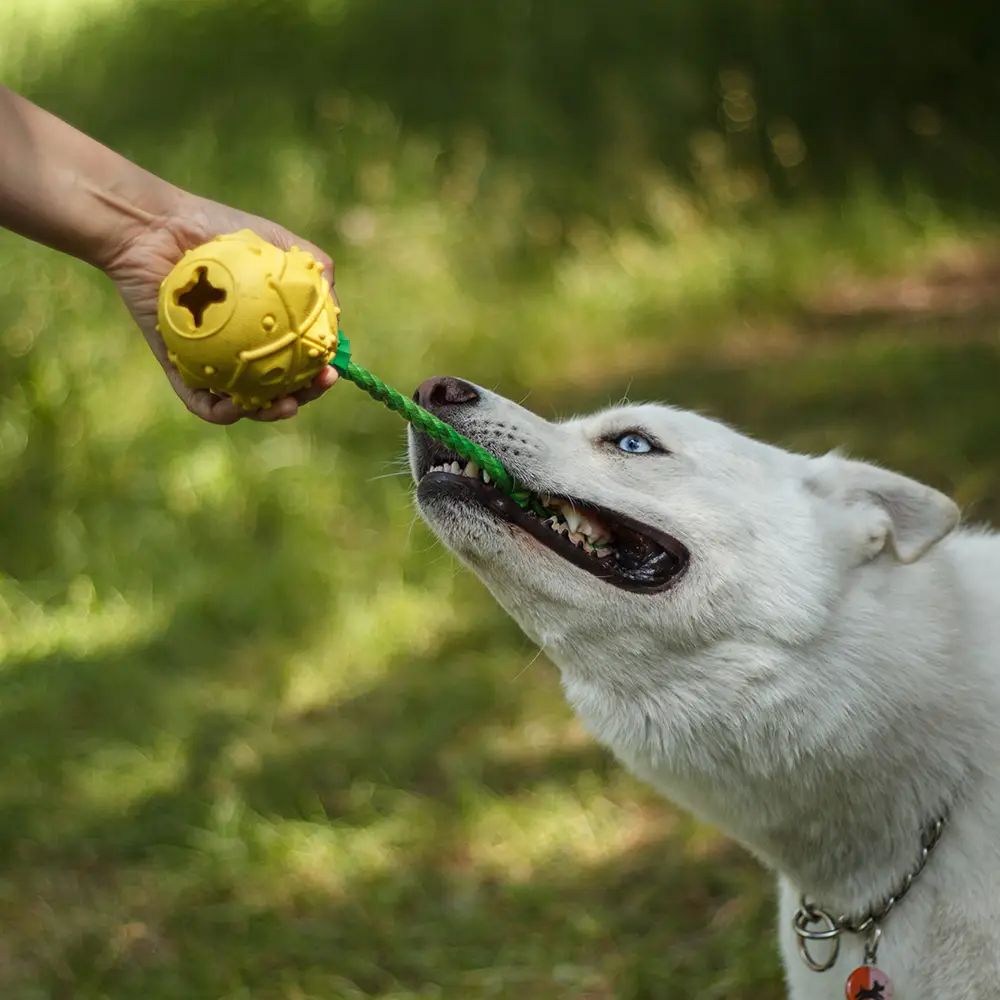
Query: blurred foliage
262,739
585,95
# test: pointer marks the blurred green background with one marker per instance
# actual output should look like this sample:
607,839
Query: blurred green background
261,737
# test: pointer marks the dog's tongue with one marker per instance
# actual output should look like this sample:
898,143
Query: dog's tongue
637,557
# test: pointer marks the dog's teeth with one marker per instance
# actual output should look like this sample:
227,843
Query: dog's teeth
456,468
472,470
486,477
572,519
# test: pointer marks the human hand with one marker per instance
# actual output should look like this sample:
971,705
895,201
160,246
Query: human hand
149,248
67,191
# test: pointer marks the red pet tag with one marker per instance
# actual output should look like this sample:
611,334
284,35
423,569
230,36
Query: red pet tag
868,983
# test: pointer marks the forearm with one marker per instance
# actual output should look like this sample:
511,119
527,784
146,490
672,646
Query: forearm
64,189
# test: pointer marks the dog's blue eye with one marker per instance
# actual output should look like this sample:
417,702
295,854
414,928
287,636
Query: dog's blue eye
634,444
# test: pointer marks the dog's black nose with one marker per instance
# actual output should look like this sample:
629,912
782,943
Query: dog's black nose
443,390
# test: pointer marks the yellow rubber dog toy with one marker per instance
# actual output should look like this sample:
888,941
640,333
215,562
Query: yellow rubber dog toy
242,317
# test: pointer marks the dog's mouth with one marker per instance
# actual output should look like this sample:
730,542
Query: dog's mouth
613,547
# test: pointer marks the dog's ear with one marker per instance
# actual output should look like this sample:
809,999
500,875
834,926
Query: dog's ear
884,508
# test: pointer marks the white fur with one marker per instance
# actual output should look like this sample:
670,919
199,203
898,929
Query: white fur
821,681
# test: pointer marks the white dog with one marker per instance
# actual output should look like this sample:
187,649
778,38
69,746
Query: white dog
801,650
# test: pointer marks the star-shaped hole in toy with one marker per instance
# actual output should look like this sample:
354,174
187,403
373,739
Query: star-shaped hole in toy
198,294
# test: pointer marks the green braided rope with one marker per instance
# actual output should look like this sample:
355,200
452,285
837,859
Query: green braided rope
432,426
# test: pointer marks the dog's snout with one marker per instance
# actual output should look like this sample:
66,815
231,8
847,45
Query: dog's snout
443,390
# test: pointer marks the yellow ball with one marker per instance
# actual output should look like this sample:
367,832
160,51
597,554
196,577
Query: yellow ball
241,317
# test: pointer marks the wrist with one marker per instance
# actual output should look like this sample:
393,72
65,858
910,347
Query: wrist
124,212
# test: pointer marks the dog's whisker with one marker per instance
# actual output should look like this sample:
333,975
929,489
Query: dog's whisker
529,664
388,475
409,530
626,396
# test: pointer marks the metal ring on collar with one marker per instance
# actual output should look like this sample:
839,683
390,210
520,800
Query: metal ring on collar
831,931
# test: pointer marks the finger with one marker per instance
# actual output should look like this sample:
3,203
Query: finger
278,409
214,409
202,403
323,381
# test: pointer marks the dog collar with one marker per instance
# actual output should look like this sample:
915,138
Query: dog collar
812,923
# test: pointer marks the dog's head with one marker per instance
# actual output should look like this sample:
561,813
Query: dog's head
662,522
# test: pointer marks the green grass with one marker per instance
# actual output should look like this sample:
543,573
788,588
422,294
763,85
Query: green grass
261,737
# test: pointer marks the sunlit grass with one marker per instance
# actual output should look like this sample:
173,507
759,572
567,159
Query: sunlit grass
78,627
